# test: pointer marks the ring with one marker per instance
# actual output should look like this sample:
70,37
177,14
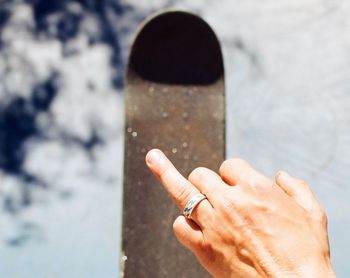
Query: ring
192,203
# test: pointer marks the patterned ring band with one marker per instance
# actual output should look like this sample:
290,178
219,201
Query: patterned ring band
192,203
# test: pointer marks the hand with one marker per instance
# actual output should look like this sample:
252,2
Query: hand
249,226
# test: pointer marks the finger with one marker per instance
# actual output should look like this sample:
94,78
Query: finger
298,190
179,188
187,232
209,183
237,171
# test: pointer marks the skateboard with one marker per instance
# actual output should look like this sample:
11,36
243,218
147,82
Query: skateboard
174,101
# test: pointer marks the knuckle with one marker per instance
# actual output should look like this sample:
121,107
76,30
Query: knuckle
182,195
238,161
233,162
240,210
164,172
242,201
224,165
303,184
197,174
263,207
319,215
230,202
229,206
254,181
322,217
257,184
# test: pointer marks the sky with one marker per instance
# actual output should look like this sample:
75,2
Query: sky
61,118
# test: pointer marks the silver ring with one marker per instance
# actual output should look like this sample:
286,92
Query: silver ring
192,203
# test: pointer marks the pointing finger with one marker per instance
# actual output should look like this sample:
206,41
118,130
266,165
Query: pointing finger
178,187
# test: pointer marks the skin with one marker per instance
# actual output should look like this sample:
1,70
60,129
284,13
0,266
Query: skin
249,225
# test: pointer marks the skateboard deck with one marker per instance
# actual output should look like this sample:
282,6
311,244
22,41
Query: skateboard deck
174,101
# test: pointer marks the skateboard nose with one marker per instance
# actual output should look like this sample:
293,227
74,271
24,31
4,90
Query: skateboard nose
168,51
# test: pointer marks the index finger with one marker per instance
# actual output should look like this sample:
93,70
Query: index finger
179,188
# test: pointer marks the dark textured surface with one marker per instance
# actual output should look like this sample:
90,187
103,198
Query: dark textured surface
182,114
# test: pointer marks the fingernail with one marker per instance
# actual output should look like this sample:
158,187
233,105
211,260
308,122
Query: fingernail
152,157
282,175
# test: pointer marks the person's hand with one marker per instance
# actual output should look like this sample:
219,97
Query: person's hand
249,226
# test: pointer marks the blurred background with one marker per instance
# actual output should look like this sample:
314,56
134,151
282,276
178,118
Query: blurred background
61,117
